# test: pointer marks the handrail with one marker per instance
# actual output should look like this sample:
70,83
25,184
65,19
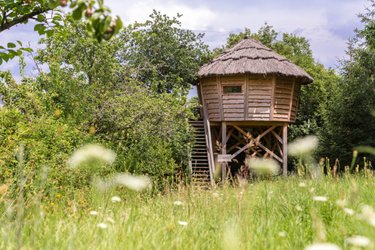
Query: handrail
210,154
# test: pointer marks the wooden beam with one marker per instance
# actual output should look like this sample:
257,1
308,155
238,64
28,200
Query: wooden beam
270,152
250,144
246,134
277,136
285,151
229,135
223,150
264,133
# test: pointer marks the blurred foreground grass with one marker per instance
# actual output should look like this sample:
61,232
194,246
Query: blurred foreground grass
271,214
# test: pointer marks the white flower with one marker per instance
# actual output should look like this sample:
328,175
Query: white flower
115,199
368,214
182,223
341,203
298,208
323,246
178,203
93,213
263,166
320,198
359,241
348,211
102,225
303,146
91,152
136,183
109,219
282,234
216,194
302,184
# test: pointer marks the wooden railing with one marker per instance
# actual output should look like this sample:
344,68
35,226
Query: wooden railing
210,155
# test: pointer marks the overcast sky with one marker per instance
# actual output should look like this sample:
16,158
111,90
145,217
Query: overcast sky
327,24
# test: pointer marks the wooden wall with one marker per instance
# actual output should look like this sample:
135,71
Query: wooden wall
261,98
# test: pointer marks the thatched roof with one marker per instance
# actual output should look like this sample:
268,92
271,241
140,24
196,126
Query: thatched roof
250,56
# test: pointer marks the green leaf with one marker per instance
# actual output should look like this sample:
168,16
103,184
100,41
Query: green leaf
19,42
365,149
78,12
49,33
40,28
11,45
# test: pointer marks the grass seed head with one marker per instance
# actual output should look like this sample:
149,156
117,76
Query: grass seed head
303,146
358,241
323,246
91,153
263,167
133,182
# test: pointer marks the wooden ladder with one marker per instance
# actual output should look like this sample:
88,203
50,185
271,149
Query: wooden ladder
200,169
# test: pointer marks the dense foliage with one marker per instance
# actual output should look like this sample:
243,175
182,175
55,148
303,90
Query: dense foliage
130,94
48,18
349,118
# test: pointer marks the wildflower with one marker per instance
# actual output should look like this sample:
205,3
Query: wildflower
302,184
115,199
303,146
94,213
341,203
348,211
282,234
89,153
320,198
109,219
368,214
323,246
231,235
182,223
298,208
136,183
358,241
215,194
102,225
263,166
178,203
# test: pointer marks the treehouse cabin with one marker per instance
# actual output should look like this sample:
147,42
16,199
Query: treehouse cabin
249,95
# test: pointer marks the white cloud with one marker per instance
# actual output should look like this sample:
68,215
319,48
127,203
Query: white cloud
194,18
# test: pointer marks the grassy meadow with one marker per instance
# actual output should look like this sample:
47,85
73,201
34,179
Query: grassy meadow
280,213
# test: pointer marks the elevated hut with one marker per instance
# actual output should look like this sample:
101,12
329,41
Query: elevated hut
249,95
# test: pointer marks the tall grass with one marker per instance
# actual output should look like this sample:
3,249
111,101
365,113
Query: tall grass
271,214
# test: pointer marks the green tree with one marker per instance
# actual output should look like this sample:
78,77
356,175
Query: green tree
100,23
163,56
348,120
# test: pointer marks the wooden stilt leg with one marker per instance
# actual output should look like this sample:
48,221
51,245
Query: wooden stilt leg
224,149
285,150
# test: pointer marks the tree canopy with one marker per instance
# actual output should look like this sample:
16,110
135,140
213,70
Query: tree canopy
99,23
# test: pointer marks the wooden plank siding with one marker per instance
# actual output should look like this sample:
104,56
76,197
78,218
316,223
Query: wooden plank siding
295,102
282,99
270,98
259,95
233,103
211,97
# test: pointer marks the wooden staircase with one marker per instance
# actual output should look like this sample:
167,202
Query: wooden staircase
200,169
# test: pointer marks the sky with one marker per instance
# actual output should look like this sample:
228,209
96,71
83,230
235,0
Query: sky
327,24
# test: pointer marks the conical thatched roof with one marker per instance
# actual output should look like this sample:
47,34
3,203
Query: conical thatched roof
250,56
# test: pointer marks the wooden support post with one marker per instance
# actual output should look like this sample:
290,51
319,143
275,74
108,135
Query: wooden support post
224,150
285,150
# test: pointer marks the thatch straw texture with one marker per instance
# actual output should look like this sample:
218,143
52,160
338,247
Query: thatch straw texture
250,56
